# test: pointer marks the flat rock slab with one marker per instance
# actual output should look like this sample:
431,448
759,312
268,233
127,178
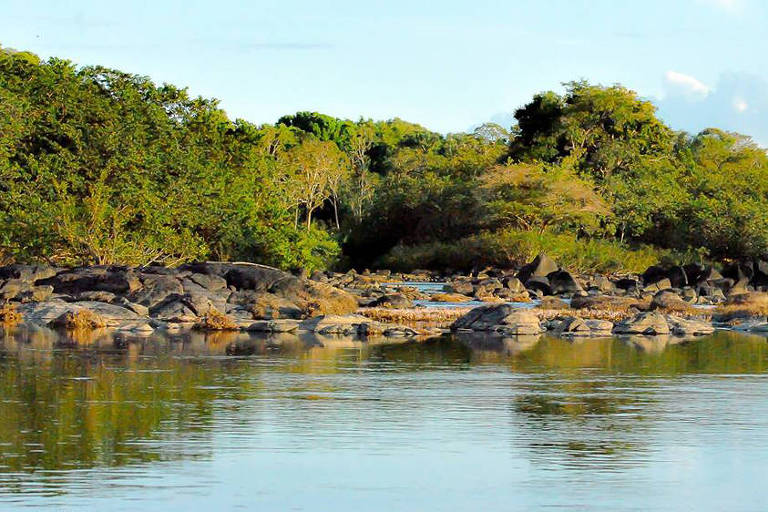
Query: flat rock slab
44,312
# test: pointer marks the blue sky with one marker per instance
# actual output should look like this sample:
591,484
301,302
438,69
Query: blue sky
448,65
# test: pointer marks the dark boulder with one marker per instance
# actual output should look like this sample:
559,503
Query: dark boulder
155,288
541,266
653,274
539,284
760,277
392,300
27,273
113,279
677,277
739,271
628,284
209,282
563,282
514,284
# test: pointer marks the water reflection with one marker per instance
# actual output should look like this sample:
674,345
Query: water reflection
103,400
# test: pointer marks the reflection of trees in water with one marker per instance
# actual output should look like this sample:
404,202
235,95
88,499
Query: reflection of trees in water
102,405
120,398
583,401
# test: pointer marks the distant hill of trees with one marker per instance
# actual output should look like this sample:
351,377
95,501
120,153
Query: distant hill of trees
101,166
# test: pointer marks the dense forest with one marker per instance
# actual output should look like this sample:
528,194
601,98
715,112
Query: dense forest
98,166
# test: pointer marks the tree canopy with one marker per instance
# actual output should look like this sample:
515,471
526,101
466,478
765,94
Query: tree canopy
101,166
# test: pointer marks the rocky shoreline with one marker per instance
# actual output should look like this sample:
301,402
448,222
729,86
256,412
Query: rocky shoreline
538,298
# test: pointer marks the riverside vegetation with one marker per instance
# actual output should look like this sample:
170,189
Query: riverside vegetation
133,182
98,166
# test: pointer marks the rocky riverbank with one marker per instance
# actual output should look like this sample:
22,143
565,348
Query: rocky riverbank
682,299
208,296
539,297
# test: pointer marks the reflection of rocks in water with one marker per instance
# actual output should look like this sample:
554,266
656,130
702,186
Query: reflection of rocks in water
648,344
479,342
28,335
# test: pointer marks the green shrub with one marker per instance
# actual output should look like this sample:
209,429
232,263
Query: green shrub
510,249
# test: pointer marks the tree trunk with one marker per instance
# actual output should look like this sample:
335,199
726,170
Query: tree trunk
336,214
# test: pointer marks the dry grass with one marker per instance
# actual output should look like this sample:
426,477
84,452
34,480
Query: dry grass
266,307
325,299
449,297
216,321
603,303
418,318
9,316
82,319
744,305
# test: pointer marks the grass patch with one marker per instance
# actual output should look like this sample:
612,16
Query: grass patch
512,249
449,297
745,305
216,321
9,316
82,319
422,318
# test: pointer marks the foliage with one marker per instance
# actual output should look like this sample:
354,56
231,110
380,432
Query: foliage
98,166
512,248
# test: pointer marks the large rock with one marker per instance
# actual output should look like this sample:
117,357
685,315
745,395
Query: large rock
563,282
44,312
649,323
541,266
392,300
677,277
667,300
461,287
539,284
601,284
311,296
27,273
514,284
577,327
353,325
653,274
662,284
502,318
156,288
177,308
688,327
114,279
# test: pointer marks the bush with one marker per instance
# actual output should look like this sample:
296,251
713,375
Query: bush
8,315
512,249
216,321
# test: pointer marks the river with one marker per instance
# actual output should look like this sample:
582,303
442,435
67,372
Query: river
232,421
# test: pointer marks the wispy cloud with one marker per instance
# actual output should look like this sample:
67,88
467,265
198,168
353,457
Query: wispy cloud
685,84
737,102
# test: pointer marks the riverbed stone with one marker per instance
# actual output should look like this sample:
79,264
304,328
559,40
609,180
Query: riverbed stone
541,266
686,326
502,318
563,282
649,322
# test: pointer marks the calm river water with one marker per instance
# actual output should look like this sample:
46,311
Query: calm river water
228,421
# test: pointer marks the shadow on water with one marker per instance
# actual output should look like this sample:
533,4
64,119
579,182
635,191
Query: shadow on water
71,401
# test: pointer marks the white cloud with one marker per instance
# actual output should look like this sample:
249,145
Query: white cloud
740,105
737,102
686,84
